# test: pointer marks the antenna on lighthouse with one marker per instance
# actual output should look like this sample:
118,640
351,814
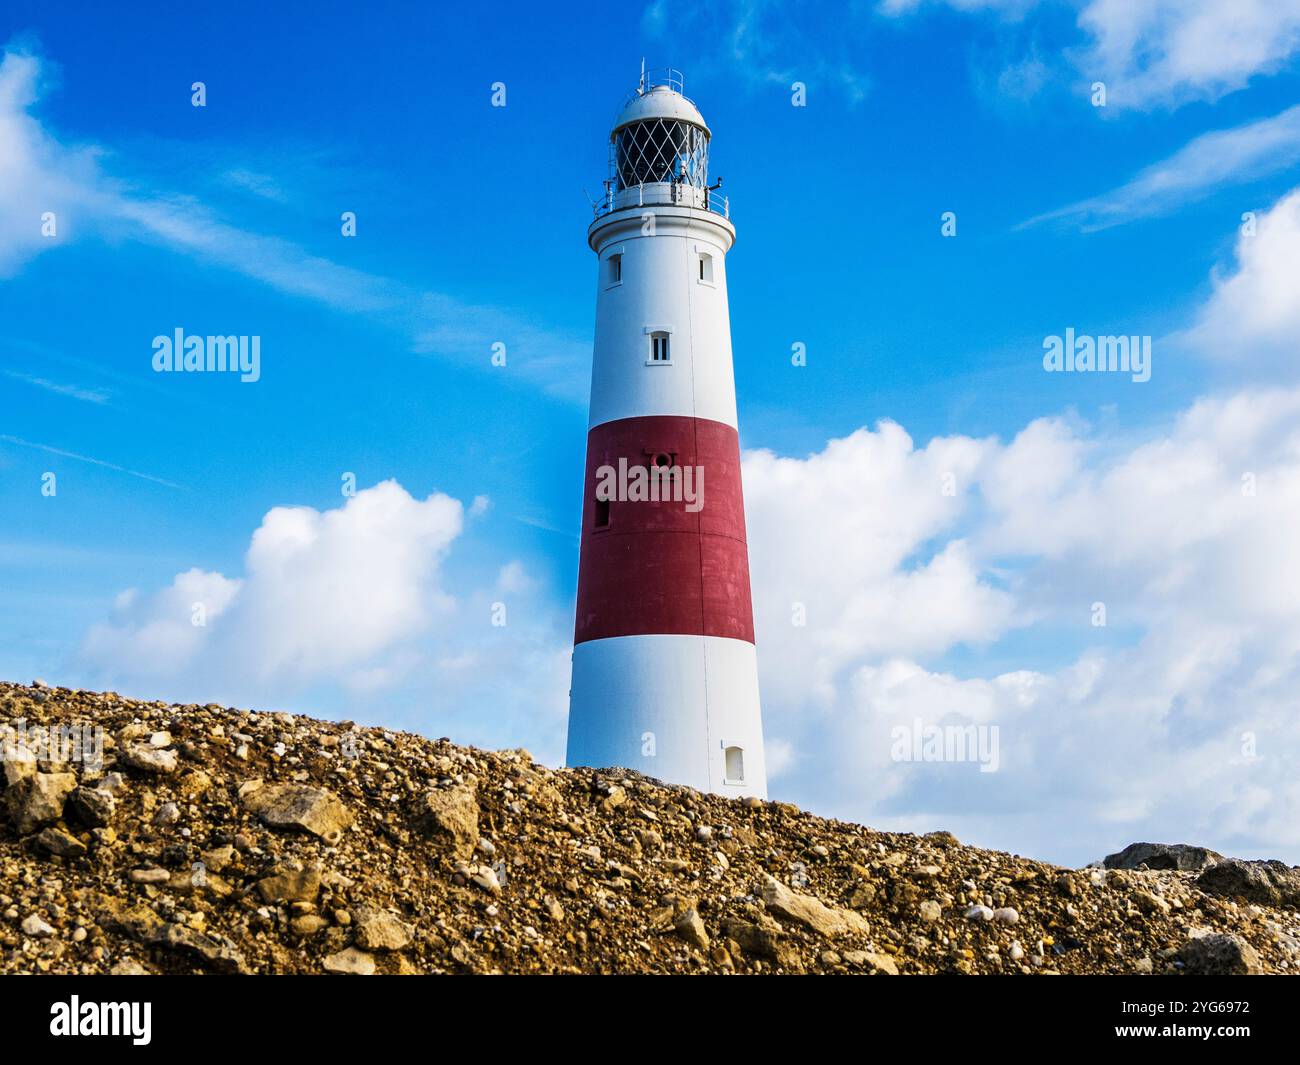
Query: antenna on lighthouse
640,89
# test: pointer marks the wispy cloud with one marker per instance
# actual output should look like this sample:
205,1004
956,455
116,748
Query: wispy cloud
1211,161
19,442
766,43
38,173
88,395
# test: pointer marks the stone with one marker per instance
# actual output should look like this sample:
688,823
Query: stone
1271,883
1006,915
450,814
146,759
979,913
128,967
763,938
216,952
880,964
298,806
382,931
1219,954
36,927
1180,856
291,881
691,928
809,912
486,878
38,800
308,924
57,841
350,962
149,876
1149,902
930,911
92,807
168,814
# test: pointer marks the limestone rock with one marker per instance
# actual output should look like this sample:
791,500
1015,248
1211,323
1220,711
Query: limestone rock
313,810
350,962
1219,955
1180,856
38,800
450,814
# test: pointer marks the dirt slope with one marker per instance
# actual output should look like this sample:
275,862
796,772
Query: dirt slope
218,840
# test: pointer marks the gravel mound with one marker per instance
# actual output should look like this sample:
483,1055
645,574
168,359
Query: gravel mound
153,838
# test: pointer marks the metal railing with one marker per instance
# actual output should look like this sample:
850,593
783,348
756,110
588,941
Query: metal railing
681,195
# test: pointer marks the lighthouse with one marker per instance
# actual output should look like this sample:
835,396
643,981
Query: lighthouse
665,678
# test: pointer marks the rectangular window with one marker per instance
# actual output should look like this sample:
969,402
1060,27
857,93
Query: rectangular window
659,347
602,513
706,268
616,269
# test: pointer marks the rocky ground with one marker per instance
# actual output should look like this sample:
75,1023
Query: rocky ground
217,840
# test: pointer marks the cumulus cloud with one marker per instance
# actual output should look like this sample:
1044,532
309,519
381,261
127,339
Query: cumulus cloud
1252,320
1160,730
351,608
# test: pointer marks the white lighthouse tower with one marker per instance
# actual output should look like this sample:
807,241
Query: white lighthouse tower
665,679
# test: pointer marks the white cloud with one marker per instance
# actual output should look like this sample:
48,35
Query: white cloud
1211,161
1140,729
1158,53
1166,52
1252,320
350,610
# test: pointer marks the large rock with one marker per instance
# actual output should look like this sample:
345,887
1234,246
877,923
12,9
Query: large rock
93,807
381,930
1180,856
763,938
313,810
1270,883
291,881
350,962
147,759
1219,955
450,814
809,912
38,800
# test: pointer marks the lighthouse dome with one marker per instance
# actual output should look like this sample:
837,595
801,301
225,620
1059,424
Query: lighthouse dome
660,101
660,137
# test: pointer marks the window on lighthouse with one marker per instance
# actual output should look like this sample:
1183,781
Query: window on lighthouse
706,268
735,765
659,348
616,269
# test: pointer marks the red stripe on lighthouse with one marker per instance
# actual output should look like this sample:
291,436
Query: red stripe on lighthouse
656,567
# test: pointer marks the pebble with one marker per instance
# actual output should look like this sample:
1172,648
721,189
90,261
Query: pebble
35,926
979,913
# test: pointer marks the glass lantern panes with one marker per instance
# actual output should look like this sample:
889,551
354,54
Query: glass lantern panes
659,150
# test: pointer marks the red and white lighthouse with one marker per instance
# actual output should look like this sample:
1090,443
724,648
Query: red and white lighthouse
665,679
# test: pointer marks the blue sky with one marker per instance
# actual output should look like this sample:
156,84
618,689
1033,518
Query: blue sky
471,225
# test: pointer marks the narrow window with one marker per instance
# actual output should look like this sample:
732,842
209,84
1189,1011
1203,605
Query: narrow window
616,269
602,513
735,765
659,347
706,268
